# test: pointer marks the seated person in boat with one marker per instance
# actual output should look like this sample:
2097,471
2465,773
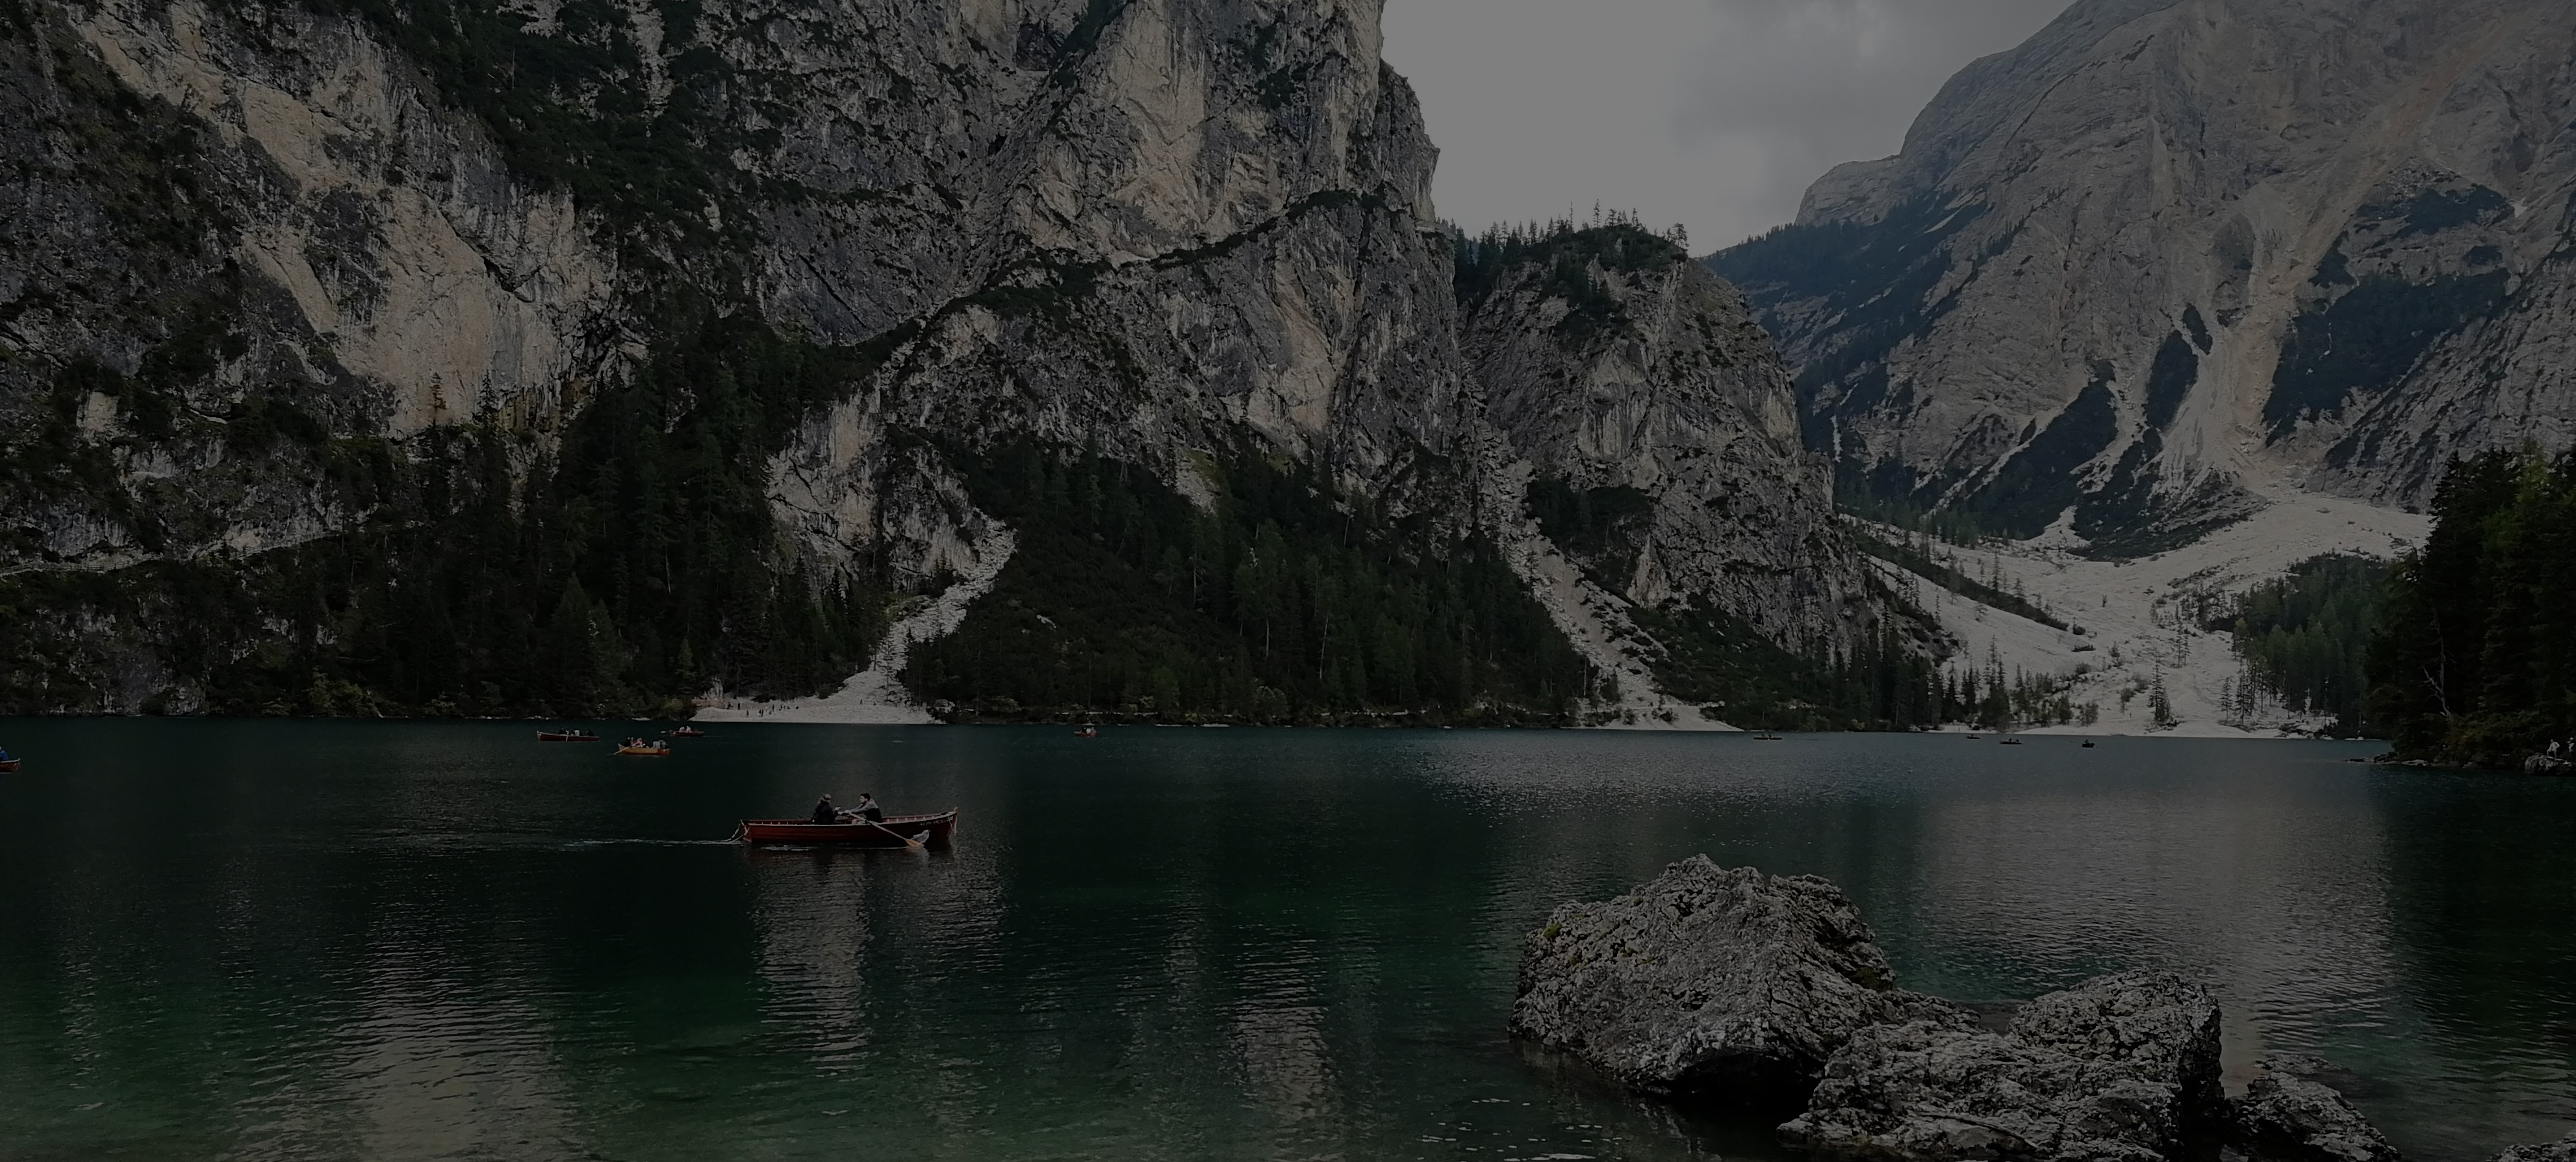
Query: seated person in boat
825,812
868,809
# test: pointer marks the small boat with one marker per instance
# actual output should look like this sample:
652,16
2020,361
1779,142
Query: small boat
2088,744
2011,742
927,830
1975,737
1087,731
640,747
688,732
566,736
1766,738
10,766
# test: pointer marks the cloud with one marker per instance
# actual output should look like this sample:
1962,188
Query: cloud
1712,113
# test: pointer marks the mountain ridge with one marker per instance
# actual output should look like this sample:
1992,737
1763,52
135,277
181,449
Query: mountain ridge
2168,262
583,356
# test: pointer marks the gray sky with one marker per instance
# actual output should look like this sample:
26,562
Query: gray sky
1712,113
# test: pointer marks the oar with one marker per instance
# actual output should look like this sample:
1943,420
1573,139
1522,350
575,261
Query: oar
915,844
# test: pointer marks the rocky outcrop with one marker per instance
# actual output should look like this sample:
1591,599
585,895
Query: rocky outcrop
2156,1022
2167,259
1713,983
2285,1116
2562,1150
2123,1067
1638,392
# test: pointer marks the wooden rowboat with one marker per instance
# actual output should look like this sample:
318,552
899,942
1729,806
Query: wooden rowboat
928,830
566,736
10,766
657,750
688,732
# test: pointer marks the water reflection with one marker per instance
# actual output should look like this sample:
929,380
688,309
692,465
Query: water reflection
1276,1027
390,940
813,918
438,1064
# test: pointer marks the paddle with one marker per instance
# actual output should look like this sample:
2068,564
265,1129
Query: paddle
914,844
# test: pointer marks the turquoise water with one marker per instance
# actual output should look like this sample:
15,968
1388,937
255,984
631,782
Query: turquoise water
287,940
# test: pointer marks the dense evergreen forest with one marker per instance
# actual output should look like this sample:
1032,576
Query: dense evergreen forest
623,571
2475,660
621,577
1284,602
2304,636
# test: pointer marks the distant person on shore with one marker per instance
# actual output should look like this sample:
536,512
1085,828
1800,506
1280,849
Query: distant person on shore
825,812
868,808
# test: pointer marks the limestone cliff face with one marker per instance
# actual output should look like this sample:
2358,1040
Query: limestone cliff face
2169,258
1149,228
230,240
1656,419
711,309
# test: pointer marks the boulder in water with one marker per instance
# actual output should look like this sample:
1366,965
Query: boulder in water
2562,1150
2285,1116
1924,1093
2164,1025
2123,1067
1713,983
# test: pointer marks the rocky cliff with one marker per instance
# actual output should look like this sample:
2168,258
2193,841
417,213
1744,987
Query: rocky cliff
1657,427
372,355
2168,261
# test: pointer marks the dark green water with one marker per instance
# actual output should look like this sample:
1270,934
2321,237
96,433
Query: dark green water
336,940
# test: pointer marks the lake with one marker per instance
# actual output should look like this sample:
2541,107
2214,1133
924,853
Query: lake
289,940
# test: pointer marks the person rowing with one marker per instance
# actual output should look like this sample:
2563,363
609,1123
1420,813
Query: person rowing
868,809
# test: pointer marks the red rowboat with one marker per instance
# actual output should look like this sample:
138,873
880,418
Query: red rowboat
929,830
566,736
688,732
9,766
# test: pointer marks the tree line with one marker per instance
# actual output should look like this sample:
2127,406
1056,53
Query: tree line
2475,658
1280,601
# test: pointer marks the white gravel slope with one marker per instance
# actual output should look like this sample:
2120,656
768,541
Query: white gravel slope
876,696
2134,618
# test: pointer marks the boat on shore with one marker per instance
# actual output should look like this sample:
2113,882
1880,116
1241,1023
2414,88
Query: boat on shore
894,831
566,736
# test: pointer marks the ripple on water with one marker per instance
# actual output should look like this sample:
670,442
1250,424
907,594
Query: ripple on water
418,941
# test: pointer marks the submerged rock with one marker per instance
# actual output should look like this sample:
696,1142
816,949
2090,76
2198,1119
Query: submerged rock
2562,1150
1712,982
2122,1067
2285,1116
